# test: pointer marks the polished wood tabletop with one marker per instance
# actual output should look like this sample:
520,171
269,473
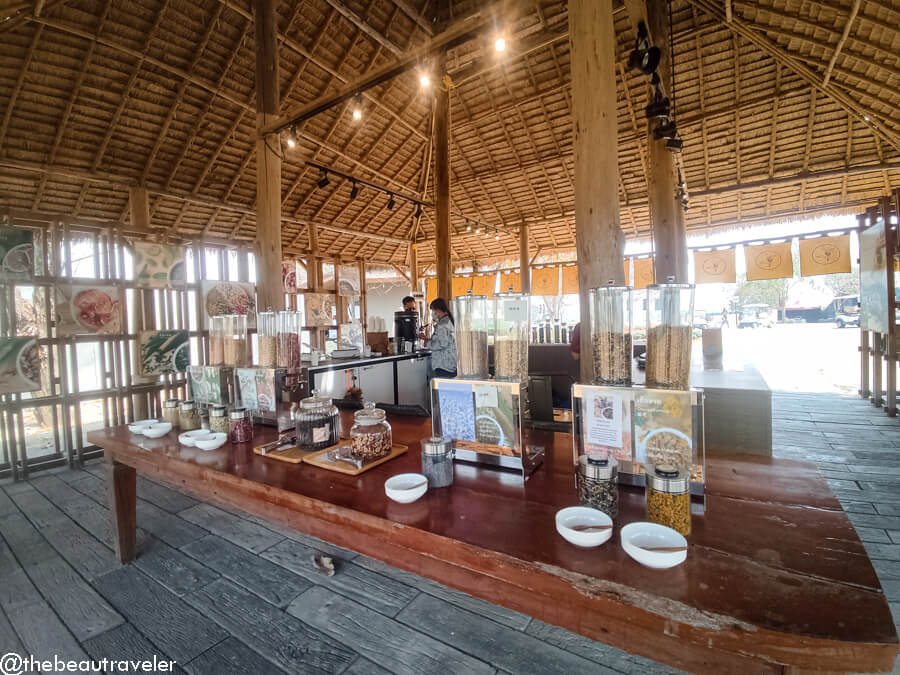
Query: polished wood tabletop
775,576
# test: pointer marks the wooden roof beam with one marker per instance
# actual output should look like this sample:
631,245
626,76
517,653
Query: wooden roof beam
416,16
456,34
837,48
353,17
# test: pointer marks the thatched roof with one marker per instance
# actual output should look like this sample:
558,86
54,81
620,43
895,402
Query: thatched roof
105,94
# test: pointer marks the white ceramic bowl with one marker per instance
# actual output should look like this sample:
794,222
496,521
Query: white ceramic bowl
157,430
568,518
406,488
188,437
212,441
638,537
138,427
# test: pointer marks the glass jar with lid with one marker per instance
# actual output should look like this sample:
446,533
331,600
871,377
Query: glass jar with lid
241,426
170,412
267,339
216,340
188,416
288,353
370,435
218,419
317,422
437,461
235,348
512,320
471,315
668,491
670,327
610,313
597,483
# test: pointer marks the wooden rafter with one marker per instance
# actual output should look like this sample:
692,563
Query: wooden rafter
837,48
362,24
17,89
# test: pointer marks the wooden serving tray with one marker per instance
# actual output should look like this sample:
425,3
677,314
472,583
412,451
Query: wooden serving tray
320,459
292,455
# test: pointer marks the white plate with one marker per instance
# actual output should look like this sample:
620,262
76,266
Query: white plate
406,488
638,537
212,441
137,427
570,517
157,430
188,437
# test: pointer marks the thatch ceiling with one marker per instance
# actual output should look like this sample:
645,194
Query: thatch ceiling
98,95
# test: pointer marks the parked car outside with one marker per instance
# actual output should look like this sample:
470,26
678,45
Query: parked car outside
756,316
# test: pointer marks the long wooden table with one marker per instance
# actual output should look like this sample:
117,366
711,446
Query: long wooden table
776,579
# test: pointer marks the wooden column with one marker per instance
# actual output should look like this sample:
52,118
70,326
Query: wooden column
599,240
414,267
269,288
666,211
143,307
442,180
524,258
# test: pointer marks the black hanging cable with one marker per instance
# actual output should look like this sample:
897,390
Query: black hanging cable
672,61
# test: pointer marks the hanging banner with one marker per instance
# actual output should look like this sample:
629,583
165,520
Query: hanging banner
570,279
545,281
643,273
714,267
874,305
484,284
825,255
769,261
460,286
511,280
431,291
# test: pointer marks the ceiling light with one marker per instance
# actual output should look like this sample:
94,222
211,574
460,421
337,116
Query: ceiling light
292,137
291,143
497,237
424,80
500,44
468,226
477,229
357,114
354,191
391,203
323,181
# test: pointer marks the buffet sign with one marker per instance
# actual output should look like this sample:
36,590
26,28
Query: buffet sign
485,420
637,425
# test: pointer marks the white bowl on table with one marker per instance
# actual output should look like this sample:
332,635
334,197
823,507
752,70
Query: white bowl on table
188,437
405,488
157,430
138,427
211,441
574,516
639,538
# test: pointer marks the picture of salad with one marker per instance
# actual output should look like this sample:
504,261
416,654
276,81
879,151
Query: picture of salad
16,254
230,297
320,309
93,310
164,351
158,265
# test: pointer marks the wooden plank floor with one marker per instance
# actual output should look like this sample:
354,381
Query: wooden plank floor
221,591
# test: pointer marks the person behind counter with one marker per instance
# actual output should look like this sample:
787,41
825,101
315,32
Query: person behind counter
443,340
575,345
409,304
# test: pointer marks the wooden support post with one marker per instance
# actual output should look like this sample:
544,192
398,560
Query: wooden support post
442,179
524,258
890,362
599,240
864,364
414,267
269,289
876,370
666,211
121,487
143,306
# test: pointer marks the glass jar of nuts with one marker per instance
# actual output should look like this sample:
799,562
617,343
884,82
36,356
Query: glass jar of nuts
597,483
370,435
669,496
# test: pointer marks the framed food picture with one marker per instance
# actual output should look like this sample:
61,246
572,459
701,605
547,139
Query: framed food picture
289,275
16,254
158,265
164,351
88,310
320,309
349,283
20,365
229,297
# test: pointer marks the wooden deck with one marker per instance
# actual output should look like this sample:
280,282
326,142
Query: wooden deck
214,587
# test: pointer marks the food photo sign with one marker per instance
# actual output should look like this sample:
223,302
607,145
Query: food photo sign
20,365
158,265
164,351
16,254
229,297
88,310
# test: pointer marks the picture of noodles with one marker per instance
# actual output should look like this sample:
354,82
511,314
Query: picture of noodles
20,365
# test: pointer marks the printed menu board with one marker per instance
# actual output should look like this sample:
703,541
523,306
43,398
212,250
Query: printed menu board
607,424
16,254
479,416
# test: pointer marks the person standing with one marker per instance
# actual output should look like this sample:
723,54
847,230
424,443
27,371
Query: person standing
409,304
443,340
725,317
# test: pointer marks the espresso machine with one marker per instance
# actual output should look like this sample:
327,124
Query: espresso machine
406,328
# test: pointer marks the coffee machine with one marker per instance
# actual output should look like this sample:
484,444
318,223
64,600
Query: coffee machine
406,328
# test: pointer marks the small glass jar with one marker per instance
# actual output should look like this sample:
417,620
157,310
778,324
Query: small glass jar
267,339
188,416
437,461
597,483
218,419
241,426
216,340
288,350
370,436
670,326
170,412
669,497
235,348
317,423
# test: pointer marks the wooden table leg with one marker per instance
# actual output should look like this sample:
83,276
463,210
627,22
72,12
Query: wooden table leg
121,485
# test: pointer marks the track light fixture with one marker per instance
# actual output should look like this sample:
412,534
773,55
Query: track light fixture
644,57
323,181
292,137
497,237
391,203
424,81
665,129
468,225
354,191
477,230
675,144
418,211
500,44
659,103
